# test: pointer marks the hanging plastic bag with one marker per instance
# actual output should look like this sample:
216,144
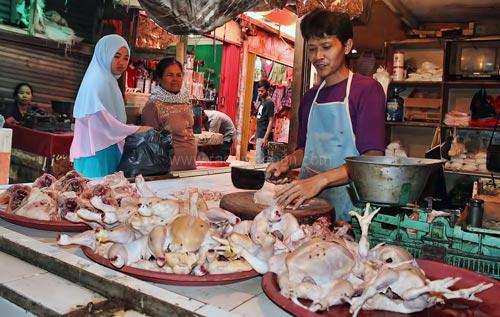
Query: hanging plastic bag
480,106
186,17
148,153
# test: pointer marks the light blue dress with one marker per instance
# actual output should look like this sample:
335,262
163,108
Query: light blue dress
103,163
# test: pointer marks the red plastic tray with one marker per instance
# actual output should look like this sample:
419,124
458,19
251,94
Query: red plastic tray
52,225
170,278
433,270
212,163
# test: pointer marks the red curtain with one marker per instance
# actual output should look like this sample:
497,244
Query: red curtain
229,79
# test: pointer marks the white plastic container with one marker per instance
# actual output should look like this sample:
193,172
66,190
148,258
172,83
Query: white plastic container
398,63
398,59
5,149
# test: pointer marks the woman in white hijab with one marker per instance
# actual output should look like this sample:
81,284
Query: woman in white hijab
100,118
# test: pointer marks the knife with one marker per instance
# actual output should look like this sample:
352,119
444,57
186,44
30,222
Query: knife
245,178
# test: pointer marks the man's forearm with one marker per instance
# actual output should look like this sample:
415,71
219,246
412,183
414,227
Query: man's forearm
333,177
295,158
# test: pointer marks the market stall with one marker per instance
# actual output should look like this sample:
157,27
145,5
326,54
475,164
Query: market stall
50,149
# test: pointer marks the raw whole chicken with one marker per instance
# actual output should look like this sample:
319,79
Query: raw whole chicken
384,277
265,195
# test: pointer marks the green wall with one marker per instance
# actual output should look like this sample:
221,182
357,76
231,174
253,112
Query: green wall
206,53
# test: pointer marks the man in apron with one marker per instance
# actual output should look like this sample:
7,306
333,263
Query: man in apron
342,117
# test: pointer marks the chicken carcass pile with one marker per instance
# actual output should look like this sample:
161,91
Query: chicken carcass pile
329,269
50,199
178,234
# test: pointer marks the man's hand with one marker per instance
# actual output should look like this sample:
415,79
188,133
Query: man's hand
276,170
265,142
300,190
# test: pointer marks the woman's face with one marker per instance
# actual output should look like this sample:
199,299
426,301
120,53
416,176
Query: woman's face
24,95
119,62
172,77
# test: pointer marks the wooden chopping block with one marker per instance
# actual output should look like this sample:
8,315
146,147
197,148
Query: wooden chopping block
242,205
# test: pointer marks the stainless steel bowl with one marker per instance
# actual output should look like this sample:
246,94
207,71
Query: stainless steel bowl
390,180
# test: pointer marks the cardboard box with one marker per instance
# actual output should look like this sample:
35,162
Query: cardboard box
491,206
422,106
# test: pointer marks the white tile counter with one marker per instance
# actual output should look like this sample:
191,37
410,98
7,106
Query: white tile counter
244,298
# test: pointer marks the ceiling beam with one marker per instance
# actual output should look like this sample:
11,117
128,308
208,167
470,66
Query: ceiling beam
400,10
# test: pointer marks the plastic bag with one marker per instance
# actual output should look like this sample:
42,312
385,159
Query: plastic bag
186,17
480,107
148,153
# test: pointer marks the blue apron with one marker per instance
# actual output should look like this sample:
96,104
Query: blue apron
330,139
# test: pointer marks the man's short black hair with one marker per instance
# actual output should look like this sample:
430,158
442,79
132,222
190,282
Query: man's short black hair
264,83
322,22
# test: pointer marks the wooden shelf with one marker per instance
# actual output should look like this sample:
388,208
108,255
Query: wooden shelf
416,83
413,124
417,44
472,83
468,128
467,173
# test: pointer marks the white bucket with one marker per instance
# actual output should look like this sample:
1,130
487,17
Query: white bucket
5,148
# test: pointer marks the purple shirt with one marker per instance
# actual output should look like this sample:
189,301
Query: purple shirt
366,106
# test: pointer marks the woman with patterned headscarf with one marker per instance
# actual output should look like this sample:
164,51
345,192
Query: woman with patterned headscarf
169,108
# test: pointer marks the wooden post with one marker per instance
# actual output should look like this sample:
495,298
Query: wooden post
299,85
31,27
180,49
246,102
13,12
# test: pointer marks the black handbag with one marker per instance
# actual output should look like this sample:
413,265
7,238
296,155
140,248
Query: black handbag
493,152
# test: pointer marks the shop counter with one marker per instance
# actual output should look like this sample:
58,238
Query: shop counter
35,152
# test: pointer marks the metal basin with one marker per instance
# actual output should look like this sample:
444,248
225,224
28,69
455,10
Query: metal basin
389,180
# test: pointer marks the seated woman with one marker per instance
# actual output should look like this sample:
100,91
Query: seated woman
100,118
169,108
15,112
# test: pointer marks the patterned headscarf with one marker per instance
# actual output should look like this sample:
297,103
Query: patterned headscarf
162,95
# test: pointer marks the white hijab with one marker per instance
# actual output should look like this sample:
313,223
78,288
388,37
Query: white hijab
99,89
